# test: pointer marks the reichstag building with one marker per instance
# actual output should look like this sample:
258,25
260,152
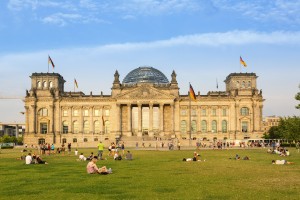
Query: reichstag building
145,106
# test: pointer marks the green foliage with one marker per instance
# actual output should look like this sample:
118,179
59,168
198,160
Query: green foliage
20,140
153,175
288,128
297,97
9,139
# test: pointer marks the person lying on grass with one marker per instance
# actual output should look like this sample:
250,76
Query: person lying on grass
281,162
92,168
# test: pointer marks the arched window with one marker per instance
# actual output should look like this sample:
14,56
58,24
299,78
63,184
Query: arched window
86,127
85,139
194,126
39,84
45,84
183,126
43,112
74,140
97,127
106,126
243,84
65,127
203,126
214,126
224,126
64,140
249,84
244,111
75,127
95,139
50,84
237,84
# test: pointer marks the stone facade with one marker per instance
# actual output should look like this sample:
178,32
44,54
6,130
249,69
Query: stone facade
144,106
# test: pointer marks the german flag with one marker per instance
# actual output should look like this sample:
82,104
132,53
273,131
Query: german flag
243,62
192,93
51,62
75,82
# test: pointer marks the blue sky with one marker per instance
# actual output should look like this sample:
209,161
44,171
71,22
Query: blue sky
200,39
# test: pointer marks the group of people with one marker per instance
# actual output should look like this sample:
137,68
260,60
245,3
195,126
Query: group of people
34,159
279,151
196,157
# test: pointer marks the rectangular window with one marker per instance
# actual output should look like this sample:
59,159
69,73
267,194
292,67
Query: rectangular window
244,127
183,112
203,112
65,113
65,129
86,112
96,112
106,112
194,112
214,112
44,128
224,112
75,113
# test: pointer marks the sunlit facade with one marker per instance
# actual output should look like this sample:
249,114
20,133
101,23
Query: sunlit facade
144,106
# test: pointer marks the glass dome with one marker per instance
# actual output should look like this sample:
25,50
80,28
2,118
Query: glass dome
145,75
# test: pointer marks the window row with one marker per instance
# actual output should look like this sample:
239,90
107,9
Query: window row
85,112
75,128
204,112
44,84
243,84
64,140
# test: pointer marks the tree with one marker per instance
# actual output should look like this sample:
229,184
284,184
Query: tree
297,97
274,133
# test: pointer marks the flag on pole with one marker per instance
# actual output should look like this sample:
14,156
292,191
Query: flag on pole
103,122
192,93
75,82
243,62
50,62
217,84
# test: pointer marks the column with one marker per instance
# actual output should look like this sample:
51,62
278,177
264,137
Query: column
139,120
27,128
17,130
253,117
151,134
173,118
161,118
80,120
91,114
118,119
129,115
50,128
33,107
70,128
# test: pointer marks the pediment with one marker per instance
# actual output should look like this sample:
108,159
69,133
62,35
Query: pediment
145,93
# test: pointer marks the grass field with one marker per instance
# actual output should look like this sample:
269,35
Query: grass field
153,175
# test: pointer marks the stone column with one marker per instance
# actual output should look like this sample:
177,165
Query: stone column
91,120
151,134
161,119
118,119
173,119
140,134
80,120
17,130
27,128
71,128
129,116
33,107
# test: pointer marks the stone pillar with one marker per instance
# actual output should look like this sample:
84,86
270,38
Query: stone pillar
27,128
33,107
140,134
17,130
129,116
151,134
161,118
91,120
173,119
118,119
80,120
71,128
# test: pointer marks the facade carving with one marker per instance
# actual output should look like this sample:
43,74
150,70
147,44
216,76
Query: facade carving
144,106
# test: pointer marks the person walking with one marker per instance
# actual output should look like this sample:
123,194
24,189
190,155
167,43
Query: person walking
100,150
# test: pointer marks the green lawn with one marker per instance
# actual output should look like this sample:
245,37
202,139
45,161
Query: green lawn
153,175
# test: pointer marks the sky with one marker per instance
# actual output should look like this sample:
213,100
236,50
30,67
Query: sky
202,40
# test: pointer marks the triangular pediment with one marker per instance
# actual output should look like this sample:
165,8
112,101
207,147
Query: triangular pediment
145,92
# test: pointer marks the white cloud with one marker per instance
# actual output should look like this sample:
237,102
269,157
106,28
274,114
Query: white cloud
264,10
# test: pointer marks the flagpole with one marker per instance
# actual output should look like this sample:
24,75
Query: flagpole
48,63
74,85
190,119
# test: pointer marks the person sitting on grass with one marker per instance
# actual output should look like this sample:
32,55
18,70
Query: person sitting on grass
90,157
28,159
40,161
246,158
92,168
128,156
117,156
281,162
81,157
